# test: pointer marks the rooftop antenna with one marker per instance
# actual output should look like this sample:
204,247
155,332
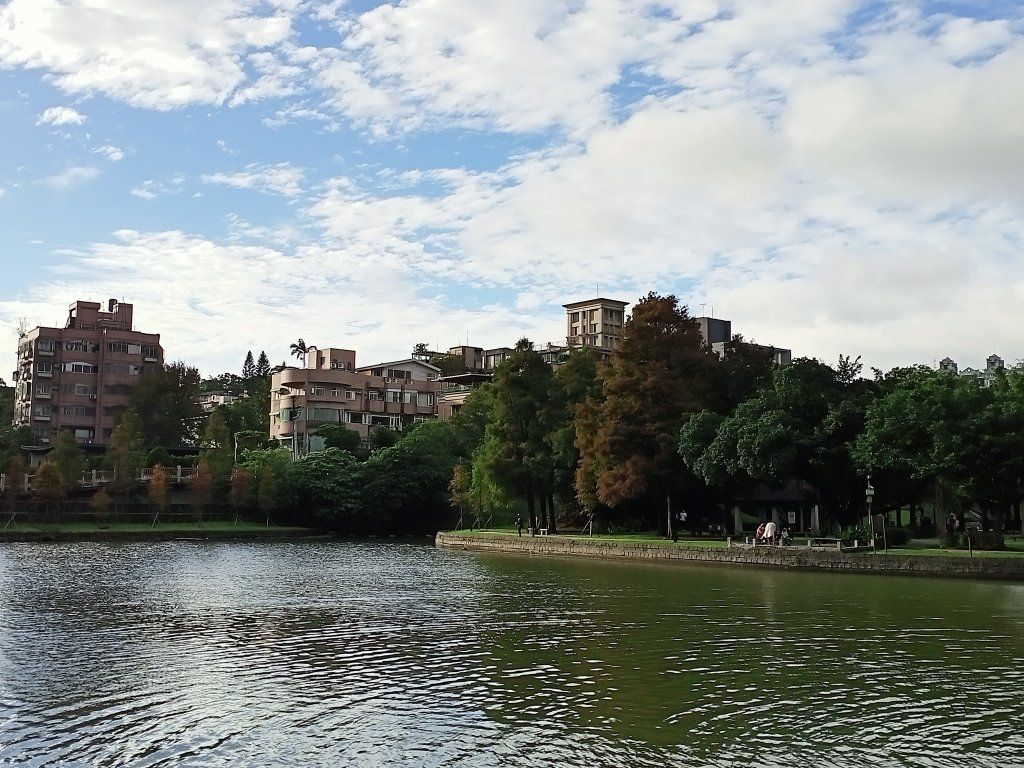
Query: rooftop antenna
702,308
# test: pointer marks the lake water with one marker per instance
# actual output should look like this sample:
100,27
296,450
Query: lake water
390,654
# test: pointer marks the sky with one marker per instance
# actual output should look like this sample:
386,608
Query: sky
834,177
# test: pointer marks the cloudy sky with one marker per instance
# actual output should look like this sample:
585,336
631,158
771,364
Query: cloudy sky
837,177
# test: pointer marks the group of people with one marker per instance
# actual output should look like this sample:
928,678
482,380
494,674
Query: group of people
770,533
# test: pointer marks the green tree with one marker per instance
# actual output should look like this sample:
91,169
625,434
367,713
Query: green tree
218,450
263,365
169,396
657,377
124,453
266,494
461,489
327,488
340,436
383,437
249,366
68,456
516,454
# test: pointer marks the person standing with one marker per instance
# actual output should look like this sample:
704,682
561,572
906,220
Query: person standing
519,525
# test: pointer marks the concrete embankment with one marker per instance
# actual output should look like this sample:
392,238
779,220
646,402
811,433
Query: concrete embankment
741,555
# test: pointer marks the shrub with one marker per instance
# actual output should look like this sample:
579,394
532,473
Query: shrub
950,540
897,537
988,540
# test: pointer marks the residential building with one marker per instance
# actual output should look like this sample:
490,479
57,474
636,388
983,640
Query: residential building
79,377
332,389
984,377
595,323
717,333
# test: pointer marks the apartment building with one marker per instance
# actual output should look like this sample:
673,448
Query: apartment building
716,332
595,323
332,389
79,377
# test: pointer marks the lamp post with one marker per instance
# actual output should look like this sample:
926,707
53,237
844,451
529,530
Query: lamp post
869,495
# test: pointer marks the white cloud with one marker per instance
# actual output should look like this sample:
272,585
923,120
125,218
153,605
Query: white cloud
148,53
281,179
113,154
151,189
71,177
60,116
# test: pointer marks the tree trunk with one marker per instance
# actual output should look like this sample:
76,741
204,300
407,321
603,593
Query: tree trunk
553,527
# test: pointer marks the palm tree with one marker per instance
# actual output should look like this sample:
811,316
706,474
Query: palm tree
299,349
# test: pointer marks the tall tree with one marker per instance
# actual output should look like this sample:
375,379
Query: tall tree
124,454
169,397
218,450
656,378
48,486
249,366
200,489
518,457
262,365
15,477
241,491
68,456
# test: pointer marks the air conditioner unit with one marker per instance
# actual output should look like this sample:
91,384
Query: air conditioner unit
92,397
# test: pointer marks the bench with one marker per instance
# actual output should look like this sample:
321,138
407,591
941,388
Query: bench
536,531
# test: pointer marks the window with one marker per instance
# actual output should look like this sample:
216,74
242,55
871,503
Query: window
149,351
375,394
79,368
43,410
42,367
84,389
117,346
46,345
78,410
350,394
43,388
394,396
335,391
317,390
424,398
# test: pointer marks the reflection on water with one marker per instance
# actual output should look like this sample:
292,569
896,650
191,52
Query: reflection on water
281,654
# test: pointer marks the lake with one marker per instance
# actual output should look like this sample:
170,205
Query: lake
327,653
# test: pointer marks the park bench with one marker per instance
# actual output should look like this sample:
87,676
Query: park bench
539,531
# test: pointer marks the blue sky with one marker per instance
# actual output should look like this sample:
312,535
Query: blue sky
838,177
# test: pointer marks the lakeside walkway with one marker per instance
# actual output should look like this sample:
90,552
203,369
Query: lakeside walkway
739,555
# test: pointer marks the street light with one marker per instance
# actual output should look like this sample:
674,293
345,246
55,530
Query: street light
869,494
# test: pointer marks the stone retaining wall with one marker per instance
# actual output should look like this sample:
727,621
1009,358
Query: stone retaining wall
741,555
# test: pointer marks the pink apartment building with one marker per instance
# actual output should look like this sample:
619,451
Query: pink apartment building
331,389
78,377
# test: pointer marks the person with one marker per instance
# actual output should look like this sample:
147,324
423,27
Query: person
678,523
769,531
519,525
951,524
785,538
759,534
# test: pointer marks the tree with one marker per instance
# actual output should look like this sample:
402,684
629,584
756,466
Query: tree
327,488
15,476
124,453
157,491
263,365
200,489
656,378
169,396
266,495
218,450
299,349
340,436
249,366
382,437
241,491
421,351
48,486
68,456
100,505
461,489
517,456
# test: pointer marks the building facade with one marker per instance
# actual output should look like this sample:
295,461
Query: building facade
595,323
78,378
332,389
